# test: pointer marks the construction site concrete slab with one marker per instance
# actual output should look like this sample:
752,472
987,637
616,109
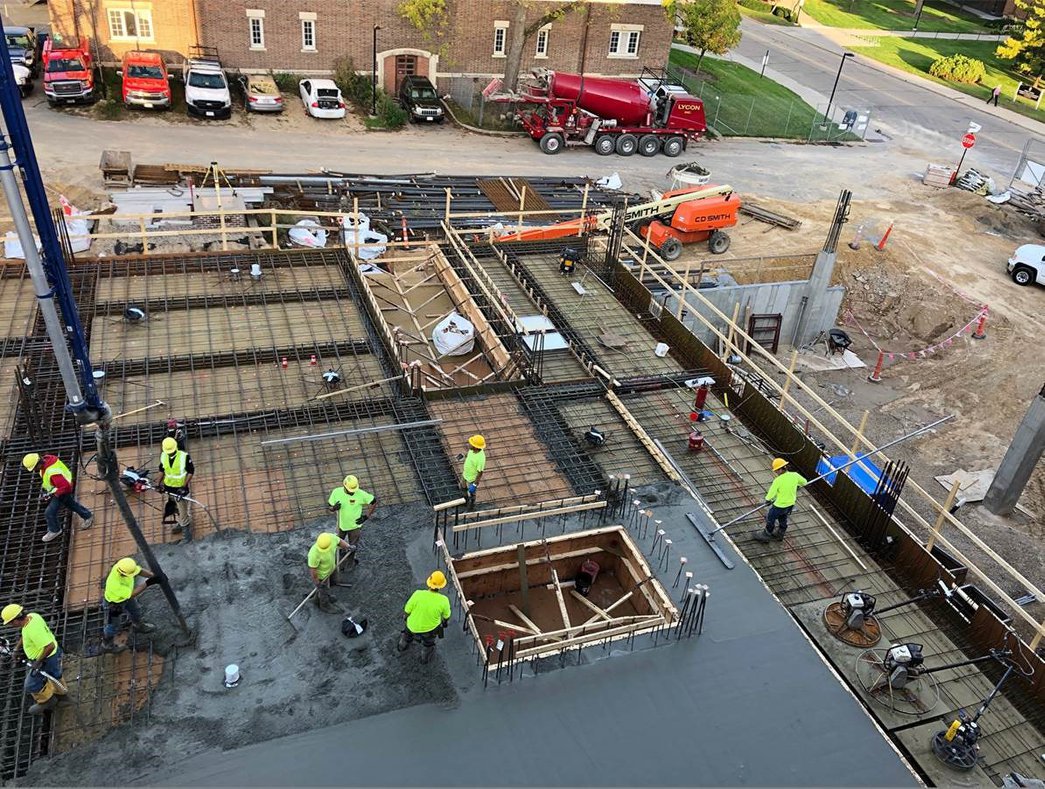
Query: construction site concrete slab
678,714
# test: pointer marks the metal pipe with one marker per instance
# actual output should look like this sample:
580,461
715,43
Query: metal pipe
844,466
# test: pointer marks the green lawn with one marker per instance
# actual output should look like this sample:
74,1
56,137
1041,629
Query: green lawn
740,103
765,16
892,15
917,54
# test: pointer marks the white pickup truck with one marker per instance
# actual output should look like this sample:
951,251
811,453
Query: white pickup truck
1027,264
207,88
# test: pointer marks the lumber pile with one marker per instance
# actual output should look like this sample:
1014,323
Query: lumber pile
1030,203
937,176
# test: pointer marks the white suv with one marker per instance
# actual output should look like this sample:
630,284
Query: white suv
206,89
1027,264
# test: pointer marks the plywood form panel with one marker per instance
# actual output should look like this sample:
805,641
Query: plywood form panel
214,330
518,465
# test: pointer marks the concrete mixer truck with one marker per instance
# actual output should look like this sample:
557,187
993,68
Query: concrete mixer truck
649,115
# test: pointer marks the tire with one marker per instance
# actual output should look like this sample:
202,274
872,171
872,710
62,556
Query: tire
626,145
718,242
649,145
673,146
1022,275
604,145
552,143
671,249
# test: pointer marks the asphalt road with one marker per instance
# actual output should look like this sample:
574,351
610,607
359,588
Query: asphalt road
907,112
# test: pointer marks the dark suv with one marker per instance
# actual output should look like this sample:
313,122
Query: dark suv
418,97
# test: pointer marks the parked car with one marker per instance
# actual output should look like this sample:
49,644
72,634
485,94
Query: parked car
206,88
145,80
23,78
1027,264
418,97
24,48
68,72
322,98
261,93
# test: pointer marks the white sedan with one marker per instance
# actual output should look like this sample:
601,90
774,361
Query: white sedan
322,98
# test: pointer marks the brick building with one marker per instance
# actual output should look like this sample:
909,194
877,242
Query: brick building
306,36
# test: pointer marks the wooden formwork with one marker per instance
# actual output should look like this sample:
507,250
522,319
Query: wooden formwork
526,590
411,298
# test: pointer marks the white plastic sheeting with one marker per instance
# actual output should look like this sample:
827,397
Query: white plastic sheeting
371,243
308,233
79,233
454,336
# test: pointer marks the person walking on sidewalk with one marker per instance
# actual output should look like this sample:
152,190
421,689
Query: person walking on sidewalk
781,496
57,482
322,567
348,501
176,472
118,599
41,647
995,95
426,612
474,466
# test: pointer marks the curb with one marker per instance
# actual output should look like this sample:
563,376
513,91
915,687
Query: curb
476,129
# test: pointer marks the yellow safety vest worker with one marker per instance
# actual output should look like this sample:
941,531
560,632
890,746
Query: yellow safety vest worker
57,468
174,474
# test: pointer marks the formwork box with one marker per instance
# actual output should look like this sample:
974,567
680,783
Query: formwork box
625,600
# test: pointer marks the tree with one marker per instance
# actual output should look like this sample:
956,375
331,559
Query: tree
1027,45
709,25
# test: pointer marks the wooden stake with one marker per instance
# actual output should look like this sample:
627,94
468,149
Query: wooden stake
943,510
682,293
607,610
562,600
589,604
524,585
787,380
275,231
732,329
858,439
529,622
522,207
584,209
446,214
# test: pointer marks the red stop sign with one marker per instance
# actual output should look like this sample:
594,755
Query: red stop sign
968,140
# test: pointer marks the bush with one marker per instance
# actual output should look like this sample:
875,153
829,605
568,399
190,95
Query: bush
355,87
391,115
959,68
286,81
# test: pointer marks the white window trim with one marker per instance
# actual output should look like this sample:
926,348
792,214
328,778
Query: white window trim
254,14
139,14
624,31
309,19
500,24
537,54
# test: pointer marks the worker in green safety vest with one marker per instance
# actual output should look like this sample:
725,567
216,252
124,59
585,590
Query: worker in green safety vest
348,501
474,466
176,470
118,599
781,496
426,612
57,482
322,568
41,647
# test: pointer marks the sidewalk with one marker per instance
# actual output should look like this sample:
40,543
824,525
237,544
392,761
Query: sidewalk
858,32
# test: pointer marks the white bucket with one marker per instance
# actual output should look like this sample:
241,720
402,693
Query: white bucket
661,350
232,676
99,377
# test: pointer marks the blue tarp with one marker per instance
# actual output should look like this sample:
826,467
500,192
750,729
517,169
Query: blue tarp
865,474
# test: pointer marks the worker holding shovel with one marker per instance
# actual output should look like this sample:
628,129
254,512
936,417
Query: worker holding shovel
44,657
348,501
781,496
176,472
322,567
118,599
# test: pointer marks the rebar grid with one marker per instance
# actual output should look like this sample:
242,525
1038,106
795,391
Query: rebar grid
622,454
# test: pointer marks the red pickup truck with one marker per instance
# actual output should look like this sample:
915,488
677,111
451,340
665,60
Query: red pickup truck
68,72
145,81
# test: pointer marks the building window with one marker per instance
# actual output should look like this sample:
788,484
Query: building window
542,42
624,41
308,32
500,39
256,27
126,24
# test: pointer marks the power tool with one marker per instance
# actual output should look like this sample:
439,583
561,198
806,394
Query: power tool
136,479
595,437
902,663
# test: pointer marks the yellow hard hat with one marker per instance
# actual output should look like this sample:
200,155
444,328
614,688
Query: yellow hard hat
778,463
127,567
477,441
324,541
436,580
29,461
11,612
169,444
351,483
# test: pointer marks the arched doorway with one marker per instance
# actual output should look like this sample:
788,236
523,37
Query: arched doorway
395,64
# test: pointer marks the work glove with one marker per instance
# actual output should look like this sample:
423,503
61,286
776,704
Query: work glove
154,580
363,518
45,497
472,488
35,666
161,487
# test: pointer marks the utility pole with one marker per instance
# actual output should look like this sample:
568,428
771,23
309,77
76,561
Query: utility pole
838,76
51,281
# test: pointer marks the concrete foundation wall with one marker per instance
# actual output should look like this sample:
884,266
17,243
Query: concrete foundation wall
766,298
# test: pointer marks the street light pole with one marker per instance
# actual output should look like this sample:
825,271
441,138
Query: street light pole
373,75
830,101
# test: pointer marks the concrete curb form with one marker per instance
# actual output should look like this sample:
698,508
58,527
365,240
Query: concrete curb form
476,129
